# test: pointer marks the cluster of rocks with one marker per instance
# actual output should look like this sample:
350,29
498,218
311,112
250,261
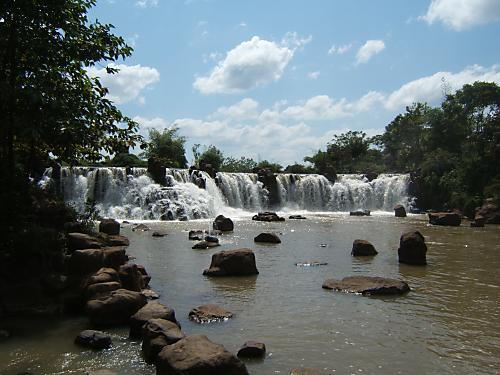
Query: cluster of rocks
268,216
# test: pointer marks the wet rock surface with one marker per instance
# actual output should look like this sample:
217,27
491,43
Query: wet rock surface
209,314
367,285
252,349
399,211
412,248
268,216
267,237
363,248
451,219
238,262
152,310
93,339
197,355
223,223
114,308
109,226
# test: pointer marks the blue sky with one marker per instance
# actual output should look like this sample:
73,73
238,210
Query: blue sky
278,79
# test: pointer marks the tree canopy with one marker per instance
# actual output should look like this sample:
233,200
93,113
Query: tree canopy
167,147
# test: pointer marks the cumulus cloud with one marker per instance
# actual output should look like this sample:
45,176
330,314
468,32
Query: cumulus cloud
430,89
128,83
245,109
157,123
462,14
313,75
368,50
146,3
248,65
339,50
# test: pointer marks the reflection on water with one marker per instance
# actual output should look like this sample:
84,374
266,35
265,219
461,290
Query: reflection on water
447,324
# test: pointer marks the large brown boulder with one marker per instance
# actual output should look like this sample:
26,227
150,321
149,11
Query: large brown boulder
197,355
95,290
93,339
223,223
131,277
412,248
363,248
114,257
209,314
239,262
450,219
80,241
156,334
115,308
367,285
399,211
113,240
267,237
85,262
109,226
152,310
490,211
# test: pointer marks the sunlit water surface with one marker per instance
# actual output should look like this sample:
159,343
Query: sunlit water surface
448,324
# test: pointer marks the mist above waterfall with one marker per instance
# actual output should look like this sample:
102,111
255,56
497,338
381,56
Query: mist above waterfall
131,194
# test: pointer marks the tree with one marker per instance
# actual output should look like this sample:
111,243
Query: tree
210,156
273,167
242,165
299,169
167,147
48,103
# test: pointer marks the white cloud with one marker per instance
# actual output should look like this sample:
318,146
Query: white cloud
430,89
313,75
146,3
294,41
245,109
128,83
250,64
339,50
368,50
157,123
462,14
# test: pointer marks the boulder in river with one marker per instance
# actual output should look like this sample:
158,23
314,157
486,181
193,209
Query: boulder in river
115,308
223,223
140,228
412,248
85,262
81,241
205,245
399,210
98,289
478,221
209,314
131,277
360,213
156,334
196,235
238,262
252,349
109,226
267,237
157,233
267,216
197,355
450,219
367,285
363,248
490,210
152,310
93,339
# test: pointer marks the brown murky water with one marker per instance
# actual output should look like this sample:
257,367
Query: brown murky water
448,324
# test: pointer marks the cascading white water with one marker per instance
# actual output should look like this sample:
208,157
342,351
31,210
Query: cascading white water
131,194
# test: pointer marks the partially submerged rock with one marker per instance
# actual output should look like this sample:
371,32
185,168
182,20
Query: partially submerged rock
478,221
360,213
109,226
267,216
205,245
239,262
451,219
252,349
141,228
152,310
367,285
223,223
93,339
209,314
157,233
399,211
115,308
297,217
197,355
412,248
363,248
156,334
196,235
267,237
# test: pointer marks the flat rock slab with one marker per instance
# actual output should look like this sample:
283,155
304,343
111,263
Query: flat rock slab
196,355
93,339
367,285
209,314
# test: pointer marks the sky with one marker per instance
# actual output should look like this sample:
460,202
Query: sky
277,79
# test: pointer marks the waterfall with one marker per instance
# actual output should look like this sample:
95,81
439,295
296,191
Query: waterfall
129,193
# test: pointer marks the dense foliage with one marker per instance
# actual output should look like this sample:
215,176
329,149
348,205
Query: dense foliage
167,147
50,109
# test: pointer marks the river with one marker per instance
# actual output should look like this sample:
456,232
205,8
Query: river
447,324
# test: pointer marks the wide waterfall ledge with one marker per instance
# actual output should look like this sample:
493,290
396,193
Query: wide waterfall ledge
129,193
